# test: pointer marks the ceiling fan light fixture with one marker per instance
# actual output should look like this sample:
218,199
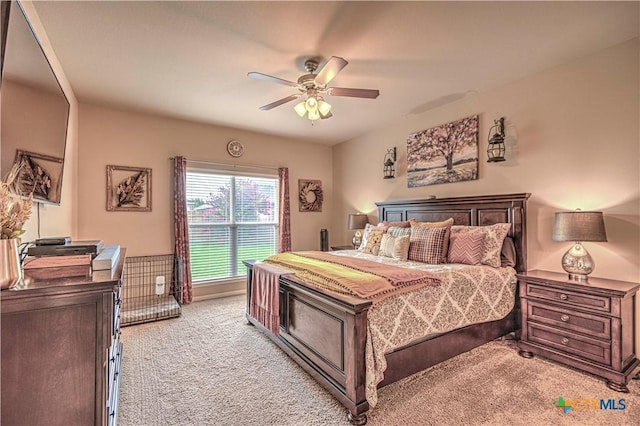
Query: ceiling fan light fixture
314,115
323,107
301,109
311,103
312,85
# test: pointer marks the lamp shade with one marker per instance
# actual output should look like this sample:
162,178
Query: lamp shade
357,221
579,226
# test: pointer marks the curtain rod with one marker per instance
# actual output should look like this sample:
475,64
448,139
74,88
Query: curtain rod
216,163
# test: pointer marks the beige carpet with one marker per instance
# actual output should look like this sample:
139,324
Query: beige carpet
209,368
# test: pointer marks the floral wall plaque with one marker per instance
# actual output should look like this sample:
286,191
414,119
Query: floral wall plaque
40,175
128,189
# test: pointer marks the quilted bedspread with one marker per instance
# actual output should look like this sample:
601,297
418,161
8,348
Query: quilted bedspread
466,295
351,275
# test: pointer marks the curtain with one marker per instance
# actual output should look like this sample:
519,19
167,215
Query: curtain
181,226
284,228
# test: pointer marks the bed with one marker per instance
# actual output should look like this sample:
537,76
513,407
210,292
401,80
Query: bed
326,333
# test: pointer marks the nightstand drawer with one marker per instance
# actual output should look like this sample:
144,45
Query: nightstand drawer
570,298
592,325
570,343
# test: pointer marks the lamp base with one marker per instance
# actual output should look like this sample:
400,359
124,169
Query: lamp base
578,277
578,263
357,240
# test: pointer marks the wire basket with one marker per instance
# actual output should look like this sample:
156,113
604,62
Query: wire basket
151,289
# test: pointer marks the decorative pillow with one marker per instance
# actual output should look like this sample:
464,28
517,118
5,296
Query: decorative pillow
494,236
374,240
427,244
396,231
403,224
466,248
508,253
444,224
397,248
365,234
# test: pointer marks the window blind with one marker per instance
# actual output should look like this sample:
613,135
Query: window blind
231,218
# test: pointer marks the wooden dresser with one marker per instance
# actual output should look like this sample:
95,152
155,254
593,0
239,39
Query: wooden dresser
588,325
61,347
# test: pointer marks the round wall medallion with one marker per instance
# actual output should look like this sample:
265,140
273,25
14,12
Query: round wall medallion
235,148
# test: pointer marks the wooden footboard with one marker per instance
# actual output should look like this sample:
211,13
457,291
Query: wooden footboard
326,336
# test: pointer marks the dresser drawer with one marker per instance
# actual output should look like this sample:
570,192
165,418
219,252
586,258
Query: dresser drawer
570,343
567,319
570,298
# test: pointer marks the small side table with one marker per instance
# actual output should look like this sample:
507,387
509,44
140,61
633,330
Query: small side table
336,248
588,325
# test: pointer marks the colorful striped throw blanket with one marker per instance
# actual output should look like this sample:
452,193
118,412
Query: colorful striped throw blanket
353,276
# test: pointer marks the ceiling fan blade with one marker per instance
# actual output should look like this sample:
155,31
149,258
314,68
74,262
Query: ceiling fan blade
330,70
327,115
279,102
265,77
354,93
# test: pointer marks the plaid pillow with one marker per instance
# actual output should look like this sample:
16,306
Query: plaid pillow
444,224
396,231
426,244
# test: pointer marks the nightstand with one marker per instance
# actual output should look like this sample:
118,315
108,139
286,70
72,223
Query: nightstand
335,248
588,325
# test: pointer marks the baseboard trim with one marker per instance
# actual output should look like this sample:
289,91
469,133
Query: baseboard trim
218,295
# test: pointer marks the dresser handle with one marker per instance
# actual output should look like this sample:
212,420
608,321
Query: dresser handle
565,318
563,297
565,340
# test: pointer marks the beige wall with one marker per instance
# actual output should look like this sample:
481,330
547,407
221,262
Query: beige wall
57,220
125,138
572,142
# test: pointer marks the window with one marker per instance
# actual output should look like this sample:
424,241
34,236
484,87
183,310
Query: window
231,218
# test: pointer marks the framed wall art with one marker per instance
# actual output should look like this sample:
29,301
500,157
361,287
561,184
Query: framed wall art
443,154
310,195
40,175
128,189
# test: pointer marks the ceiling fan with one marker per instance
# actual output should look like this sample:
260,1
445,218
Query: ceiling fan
313,86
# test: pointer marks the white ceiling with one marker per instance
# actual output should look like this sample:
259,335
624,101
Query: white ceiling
190,59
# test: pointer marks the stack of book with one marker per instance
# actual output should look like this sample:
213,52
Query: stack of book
104,264
71,259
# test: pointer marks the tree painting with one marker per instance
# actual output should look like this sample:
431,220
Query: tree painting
443,154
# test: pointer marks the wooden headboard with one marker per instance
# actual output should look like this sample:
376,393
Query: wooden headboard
476,210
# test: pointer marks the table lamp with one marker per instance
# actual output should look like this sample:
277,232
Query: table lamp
578,226
357,222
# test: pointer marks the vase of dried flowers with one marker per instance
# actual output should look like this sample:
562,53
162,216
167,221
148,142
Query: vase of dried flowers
14,212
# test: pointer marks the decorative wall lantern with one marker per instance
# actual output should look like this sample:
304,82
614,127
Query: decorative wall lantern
390,164
495,150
